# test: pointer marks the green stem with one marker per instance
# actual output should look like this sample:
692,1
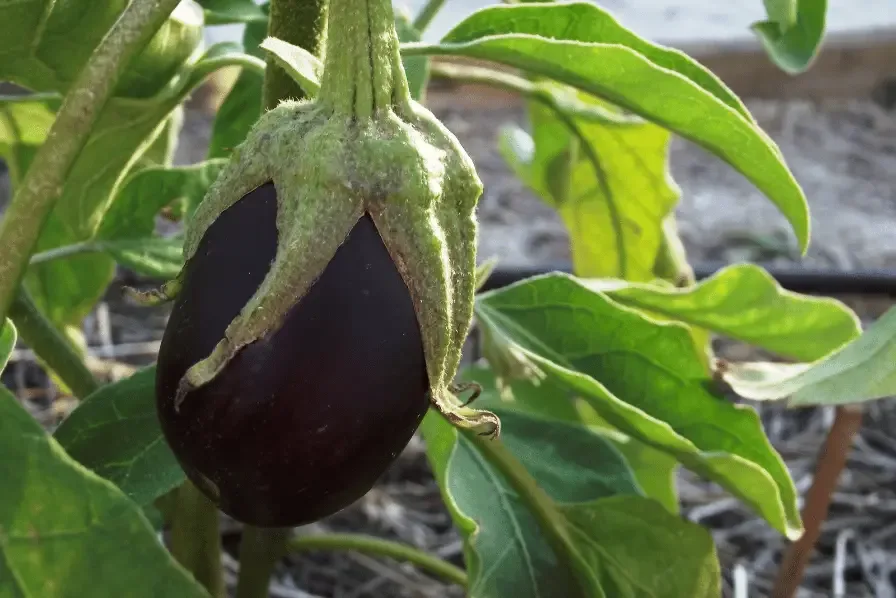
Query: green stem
260,550
424,19
364,75
383,548
42,185
550,521
671,260
195,539
65,251
302,23
50,345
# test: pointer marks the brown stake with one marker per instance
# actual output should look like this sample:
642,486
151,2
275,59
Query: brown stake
831,461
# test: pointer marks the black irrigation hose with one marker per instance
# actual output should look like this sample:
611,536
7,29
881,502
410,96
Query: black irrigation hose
879,282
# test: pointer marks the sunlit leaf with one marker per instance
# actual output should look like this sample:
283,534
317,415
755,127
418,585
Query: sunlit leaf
793,33
632,81
863,370
744,302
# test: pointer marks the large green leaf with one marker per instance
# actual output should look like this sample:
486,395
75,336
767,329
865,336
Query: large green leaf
115,432
645,378
860,371
793,33
610,184
69,533
745,302
586,22
653,470
632,81
506,552
44,44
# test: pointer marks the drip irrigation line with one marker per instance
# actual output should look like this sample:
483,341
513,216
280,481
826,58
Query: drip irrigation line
816,281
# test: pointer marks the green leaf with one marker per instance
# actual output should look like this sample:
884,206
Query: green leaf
69,533
586,22
242,106
860,371
744,302
654,471
416,68
303,66
506,552
792,40
128,230
613,178
7,342
645,378
44,44
783,12
162,150
641,550
115,432
147,191
631,81
158,257
224,12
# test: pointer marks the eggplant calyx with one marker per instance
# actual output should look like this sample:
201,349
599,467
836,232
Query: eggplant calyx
163,294
483,423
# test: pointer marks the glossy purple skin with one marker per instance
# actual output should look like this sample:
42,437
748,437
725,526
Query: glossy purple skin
302,423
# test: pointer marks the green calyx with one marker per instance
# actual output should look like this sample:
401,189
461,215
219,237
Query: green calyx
362,146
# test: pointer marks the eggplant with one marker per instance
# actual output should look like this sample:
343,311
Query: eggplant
301,423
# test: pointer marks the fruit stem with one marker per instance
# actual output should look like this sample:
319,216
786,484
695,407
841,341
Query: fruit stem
383,548
37,193
302,23
363,75
50,345
195,539
260,550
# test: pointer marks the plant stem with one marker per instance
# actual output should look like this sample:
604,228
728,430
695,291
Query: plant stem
671,261
550,521
195,540
380,547
42,185
424,19
831,461
65,251
302,23
51,345
260,550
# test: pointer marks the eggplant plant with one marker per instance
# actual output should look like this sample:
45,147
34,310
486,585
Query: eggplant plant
325,279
